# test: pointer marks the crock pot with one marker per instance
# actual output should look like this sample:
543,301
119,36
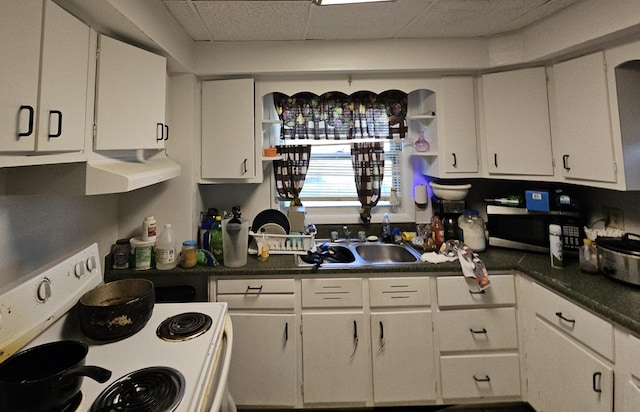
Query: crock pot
619,258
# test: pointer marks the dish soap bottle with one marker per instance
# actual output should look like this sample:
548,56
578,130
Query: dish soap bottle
166,257
216,240
588,257
387,236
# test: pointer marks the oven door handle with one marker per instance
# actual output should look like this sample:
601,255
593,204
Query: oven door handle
222,390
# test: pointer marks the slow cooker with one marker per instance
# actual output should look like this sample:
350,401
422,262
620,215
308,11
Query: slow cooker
619,258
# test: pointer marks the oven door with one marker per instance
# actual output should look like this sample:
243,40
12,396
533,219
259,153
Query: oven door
216,395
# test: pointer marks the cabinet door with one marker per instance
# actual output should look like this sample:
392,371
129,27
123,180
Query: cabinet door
403,357
130,97
263,366
336,361
20,31
516,117
563,376
228,142
63,82
457,125
583,119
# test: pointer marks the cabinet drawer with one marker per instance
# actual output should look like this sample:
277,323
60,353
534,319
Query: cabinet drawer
584,326
405,291
258,301
458,291
255,286
480,376
318,293
477,329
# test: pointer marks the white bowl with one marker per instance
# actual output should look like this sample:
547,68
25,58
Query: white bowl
450,192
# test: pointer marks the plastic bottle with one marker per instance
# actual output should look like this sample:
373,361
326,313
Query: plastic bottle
264,249
472,230
217,248
437,231
166,256
387,236
588,257
149,228
393,200
555,245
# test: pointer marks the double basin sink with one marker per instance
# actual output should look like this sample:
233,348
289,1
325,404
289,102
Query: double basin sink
354,253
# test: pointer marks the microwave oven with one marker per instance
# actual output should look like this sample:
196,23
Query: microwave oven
519,228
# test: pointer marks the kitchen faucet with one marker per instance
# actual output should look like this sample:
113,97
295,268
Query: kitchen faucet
347,234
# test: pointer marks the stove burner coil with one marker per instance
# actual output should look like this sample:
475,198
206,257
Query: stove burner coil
184,326
145,390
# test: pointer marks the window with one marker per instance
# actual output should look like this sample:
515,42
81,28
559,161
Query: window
330,179
330,123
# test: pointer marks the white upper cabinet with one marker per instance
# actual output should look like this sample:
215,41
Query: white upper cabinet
130,97
623,76
457,127
583,122
516,123
228,140
47,57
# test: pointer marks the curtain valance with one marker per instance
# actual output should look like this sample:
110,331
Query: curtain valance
337,116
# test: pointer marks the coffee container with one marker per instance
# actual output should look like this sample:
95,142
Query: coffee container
555,245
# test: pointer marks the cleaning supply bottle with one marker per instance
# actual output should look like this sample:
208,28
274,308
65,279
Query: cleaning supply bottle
387,236
166,256
216,240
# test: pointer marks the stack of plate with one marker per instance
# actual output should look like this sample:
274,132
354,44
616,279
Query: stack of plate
271,222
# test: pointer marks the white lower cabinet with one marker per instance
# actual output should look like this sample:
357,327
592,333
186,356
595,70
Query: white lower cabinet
263,370
335,345
335,358
569,354
627,369
477,340
402,349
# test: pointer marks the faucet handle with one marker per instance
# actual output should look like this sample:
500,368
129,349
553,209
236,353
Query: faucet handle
347,234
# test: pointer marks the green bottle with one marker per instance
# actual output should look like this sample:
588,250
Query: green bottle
216,240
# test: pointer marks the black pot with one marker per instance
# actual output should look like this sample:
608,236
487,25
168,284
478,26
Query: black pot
116,310
619,258
46,377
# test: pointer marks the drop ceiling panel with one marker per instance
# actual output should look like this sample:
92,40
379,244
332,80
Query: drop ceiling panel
255,20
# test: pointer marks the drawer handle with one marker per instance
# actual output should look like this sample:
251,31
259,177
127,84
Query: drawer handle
477,292
572,321
256,289
481,331
485,379
597,382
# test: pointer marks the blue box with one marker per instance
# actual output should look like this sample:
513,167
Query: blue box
537,201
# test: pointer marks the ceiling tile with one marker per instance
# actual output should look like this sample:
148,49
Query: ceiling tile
254,20
188,19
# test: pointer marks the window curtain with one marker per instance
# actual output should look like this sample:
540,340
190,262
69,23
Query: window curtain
368,167
337,116
291,170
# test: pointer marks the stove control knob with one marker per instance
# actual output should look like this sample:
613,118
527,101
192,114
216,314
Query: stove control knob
80,270
91,263
43,292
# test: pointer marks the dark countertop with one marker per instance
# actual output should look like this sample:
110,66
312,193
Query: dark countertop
613,300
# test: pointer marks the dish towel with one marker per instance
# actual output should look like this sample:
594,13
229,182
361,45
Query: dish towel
472,266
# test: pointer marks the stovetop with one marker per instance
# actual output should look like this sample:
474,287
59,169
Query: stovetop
41,308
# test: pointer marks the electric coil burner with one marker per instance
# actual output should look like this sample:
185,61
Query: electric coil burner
148,389
184,326
185,370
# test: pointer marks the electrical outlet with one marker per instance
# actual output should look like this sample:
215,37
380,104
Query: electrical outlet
614,217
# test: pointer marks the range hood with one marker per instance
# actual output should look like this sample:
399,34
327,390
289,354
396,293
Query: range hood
99,174
124,174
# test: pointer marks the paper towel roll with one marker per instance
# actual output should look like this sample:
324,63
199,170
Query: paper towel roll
421,195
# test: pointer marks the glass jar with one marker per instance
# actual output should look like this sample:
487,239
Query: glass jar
471,228
189,255
421,144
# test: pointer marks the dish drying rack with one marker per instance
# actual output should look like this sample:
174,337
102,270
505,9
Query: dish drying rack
291,244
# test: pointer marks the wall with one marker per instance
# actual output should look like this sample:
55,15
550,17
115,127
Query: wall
37,229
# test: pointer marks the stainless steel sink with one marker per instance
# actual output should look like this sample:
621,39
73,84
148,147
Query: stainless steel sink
355,253
386,253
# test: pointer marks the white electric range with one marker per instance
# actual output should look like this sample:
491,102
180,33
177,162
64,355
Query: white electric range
41,309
